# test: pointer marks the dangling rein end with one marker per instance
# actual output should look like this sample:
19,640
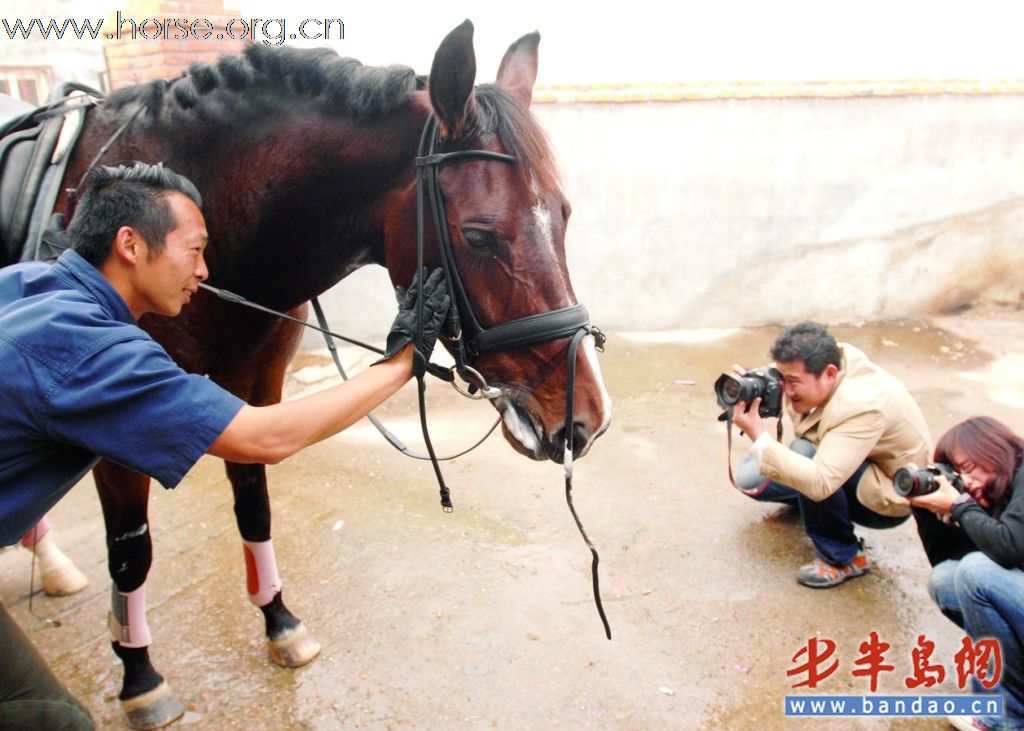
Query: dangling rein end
586,539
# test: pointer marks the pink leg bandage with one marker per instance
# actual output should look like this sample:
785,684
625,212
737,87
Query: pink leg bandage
127,619
30,539
261,579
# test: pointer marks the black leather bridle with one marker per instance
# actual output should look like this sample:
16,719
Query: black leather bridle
467,338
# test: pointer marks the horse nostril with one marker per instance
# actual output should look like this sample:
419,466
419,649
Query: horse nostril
580,437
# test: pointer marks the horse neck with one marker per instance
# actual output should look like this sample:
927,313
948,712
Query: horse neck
299,204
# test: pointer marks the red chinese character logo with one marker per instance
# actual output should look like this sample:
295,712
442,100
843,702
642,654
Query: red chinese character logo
975,658
925,673
872,657
815,656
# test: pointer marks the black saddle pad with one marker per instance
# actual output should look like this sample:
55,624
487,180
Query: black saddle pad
24,156
28,137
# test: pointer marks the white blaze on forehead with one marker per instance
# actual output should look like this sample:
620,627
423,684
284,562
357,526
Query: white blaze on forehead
542,216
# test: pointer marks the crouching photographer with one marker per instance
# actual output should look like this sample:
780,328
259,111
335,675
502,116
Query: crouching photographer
855,425
976,490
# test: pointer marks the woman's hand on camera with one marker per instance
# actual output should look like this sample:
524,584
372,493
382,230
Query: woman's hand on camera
940,501
747,418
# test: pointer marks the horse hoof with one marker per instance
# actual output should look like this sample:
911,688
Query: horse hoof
154,709
293,648
64,580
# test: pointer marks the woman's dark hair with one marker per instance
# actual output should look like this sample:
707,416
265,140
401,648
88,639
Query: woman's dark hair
988,442
128,195
810,342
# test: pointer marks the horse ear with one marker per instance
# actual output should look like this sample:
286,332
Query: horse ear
452,76
518,70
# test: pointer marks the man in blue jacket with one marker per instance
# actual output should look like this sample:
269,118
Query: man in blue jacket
82,381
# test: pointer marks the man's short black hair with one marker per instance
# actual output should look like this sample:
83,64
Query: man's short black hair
810,342
133,195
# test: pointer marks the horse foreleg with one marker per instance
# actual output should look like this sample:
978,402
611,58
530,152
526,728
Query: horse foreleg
59,574
289,643
146,698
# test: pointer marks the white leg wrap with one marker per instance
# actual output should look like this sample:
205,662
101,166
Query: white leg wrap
127,618
261,579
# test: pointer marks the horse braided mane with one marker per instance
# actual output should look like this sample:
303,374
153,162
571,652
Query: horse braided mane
216,91
257,82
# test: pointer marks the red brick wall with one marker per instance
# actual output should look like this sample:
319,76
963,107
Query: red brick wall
160,49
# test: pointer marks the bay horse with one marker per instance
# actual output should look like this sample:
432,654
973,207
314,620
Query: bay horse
306,164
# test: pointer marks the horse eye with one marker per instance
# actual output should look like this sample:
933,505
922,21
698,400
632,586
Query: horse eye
480,240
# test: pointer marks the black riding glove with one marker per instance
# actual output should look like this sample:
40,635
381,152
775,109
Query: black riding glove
405,329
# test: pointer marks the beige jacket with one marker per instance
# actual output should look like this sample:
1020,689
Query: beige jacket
869,416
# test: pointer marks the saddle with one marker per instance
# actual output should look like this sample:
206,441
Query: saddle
35,145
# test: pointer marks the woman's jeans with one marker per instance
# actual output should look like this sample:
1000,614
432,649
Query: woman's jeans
987,600
31,698
829,523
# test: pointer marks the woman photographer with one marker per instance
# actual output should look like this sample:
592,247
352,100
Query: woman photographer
982,590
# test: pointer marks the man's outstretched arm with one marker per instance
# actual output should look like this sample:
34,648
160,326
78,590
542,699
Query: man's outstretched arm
268,434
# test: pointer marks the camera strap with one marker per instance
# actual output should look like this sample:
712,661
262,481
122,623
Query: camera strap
727,418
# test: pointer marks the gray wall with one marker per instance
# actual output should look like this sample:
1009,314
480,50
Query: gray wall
741,212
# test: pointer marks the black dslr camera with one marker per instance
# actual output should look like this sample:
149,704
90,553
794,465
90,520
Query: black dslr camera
911,483
765,382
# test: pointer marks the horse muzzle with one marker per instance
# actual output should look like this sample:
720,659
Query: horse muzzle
524,431
521,430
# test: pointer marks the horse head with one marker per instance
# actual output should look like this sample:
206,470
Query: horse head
506,224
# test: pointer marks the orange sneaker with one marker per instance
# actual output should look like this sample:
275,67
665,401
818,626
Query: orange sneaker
820,574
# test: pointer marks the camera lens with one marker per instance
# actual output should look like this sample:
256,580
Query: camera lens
904,482
731,390
913,483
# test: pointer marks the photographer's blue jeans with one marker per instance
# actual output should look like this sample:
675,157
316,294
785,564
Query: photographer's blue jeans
987,600
829,523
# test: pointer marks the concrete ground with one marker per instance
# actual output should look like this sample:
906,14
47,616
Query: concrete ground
483,618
